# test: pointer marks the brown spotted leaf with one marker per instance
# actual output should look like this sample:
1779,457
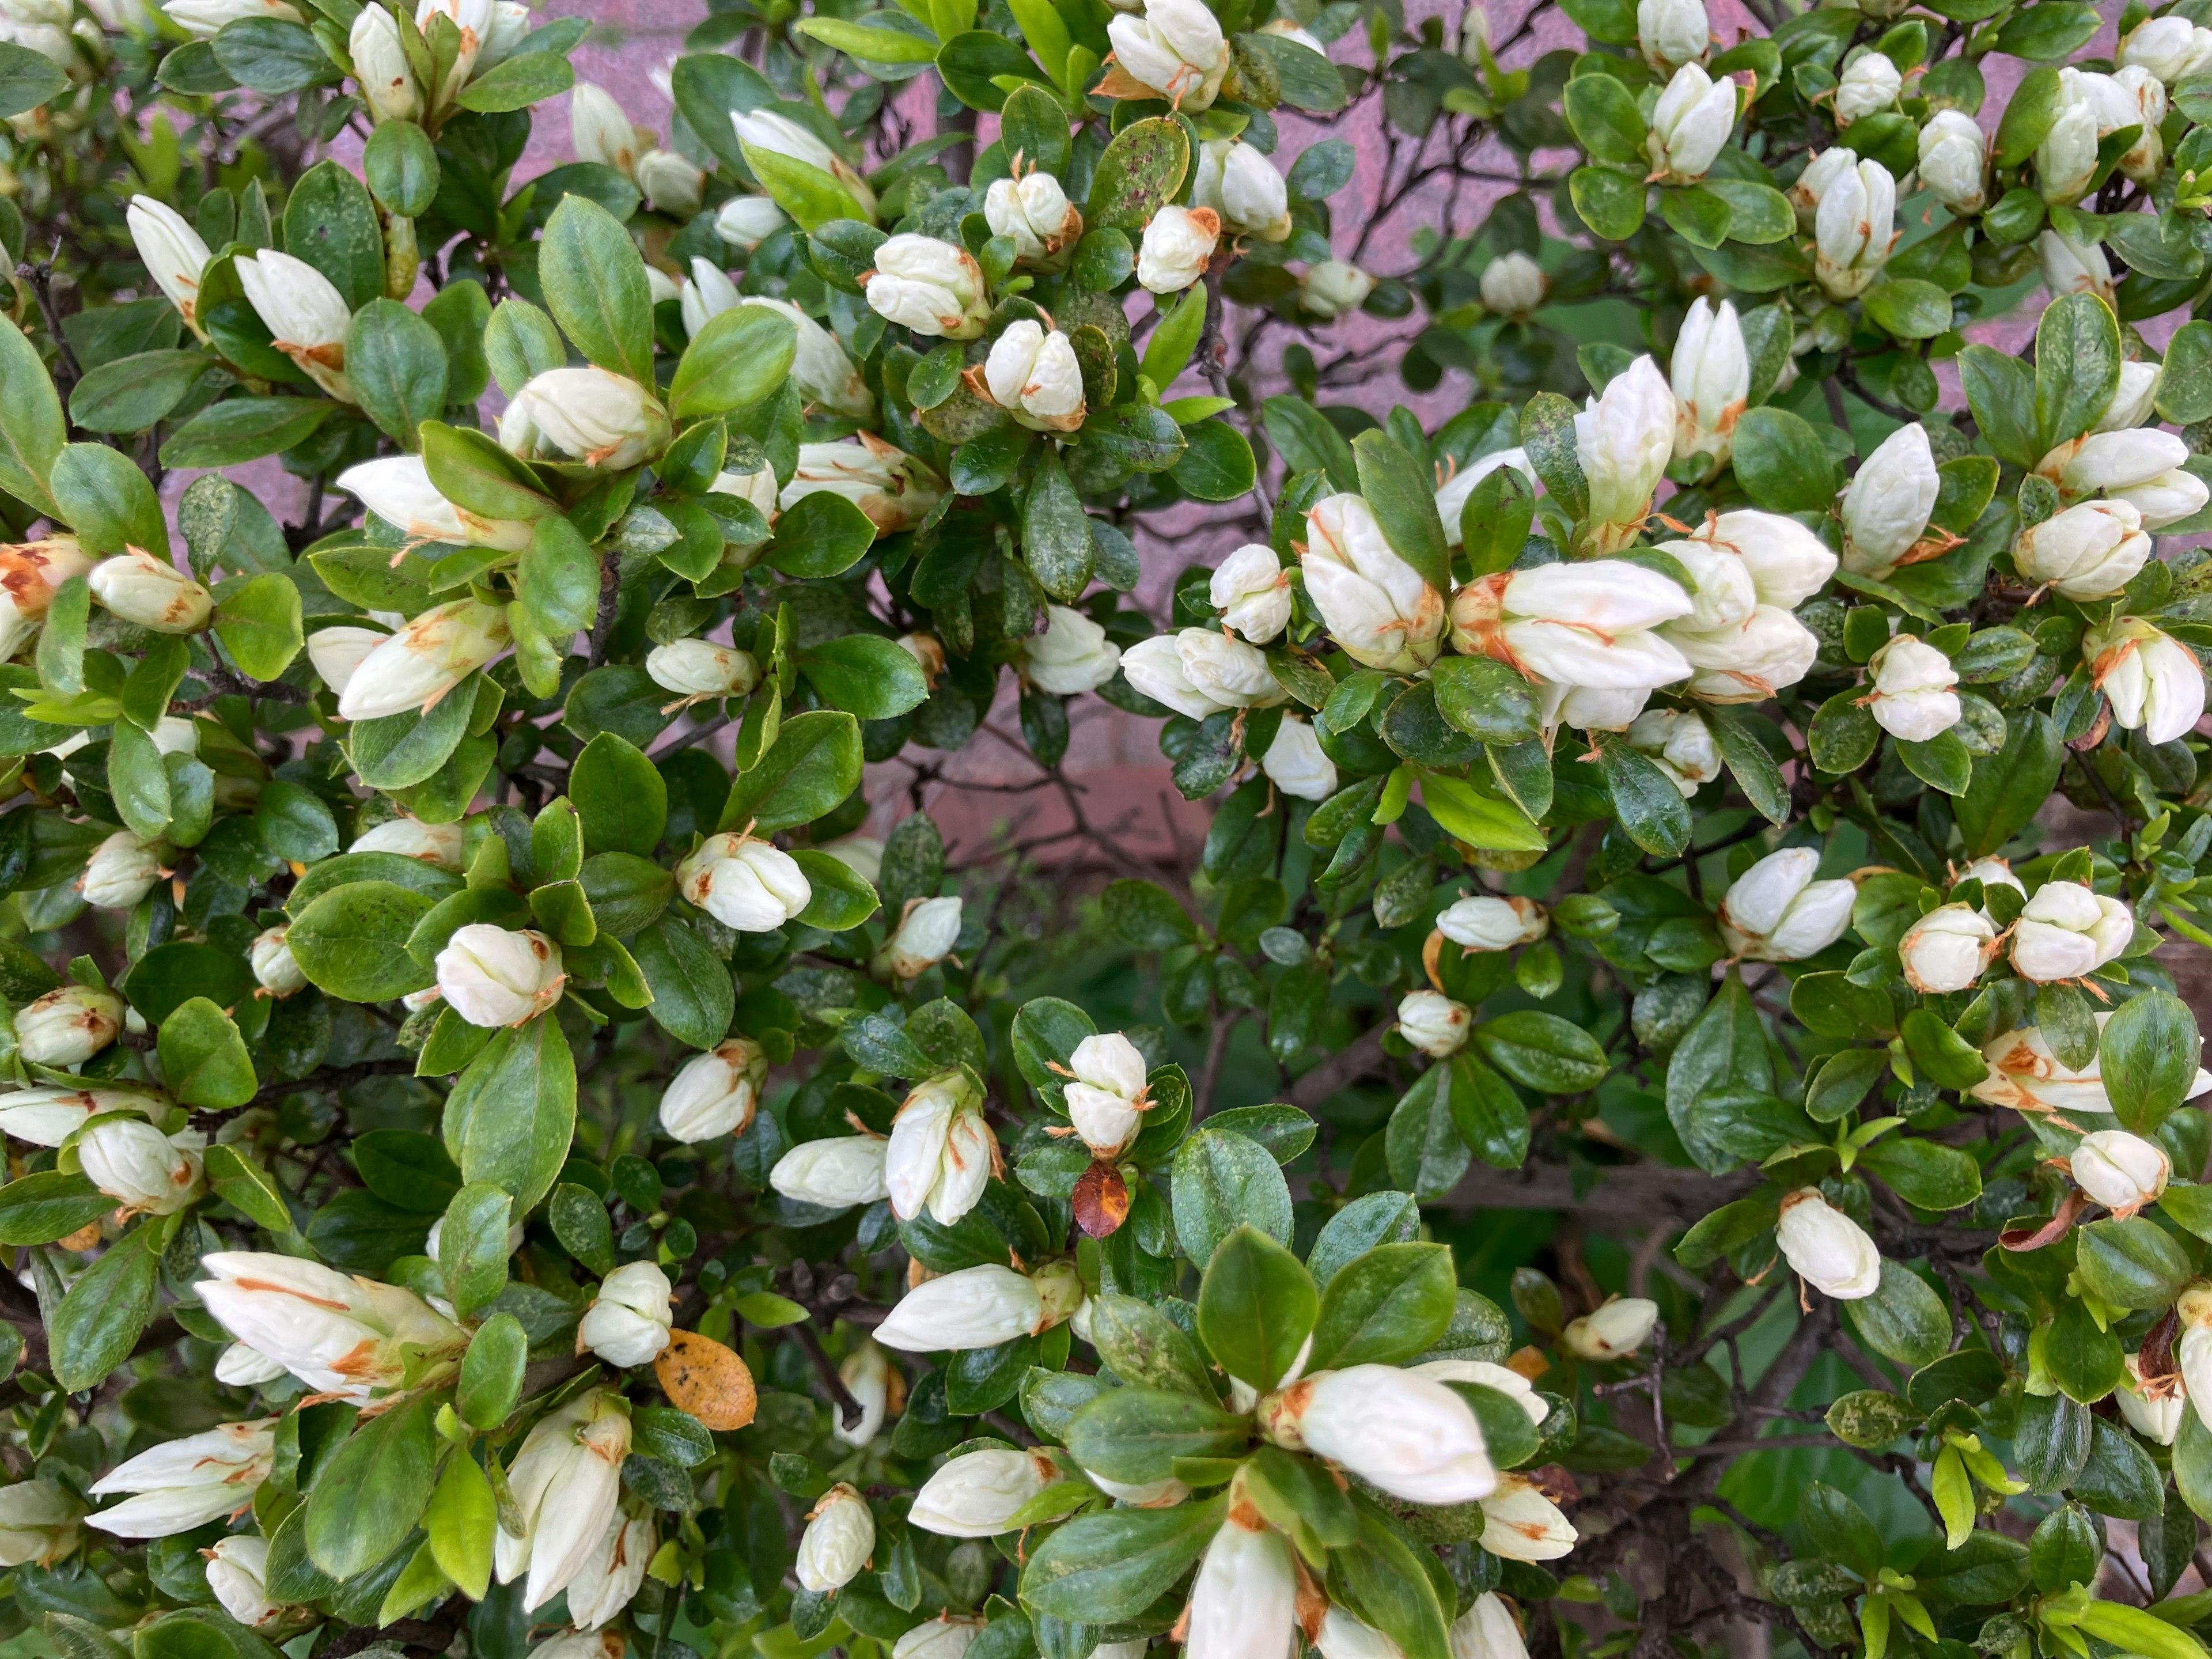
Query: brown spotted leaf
712,1382
1102,1200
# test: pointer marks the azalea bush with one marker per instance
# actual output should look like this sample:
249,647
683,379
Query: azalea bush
1659,1105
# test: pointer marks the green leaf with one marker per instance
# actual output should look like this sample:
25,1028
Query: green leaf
96,1325
103,497
1782,463
2077,366
368,1495
1602,113
27,79
244,429
396,364
510,1116
1139,172
247,1187
518,81
1403,498
811,195
2150,1050
1384,1306
741,358
819,535
1611,203
203,1058
1543,1052
472,1245
491,1372
620,797
814,763
462,1519
1256,1306
1904,1320
594,283
1478,820
1221,1181
1102,1568
693,998
50,1204
329,219
31,430
259,621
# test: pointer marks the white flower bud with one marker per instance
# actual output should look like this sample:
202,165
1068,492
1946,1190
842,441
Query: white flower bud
834,1174
1105,1093
2121,1171
2167,499
1409,1435
1711,375
1458,487
122,870
399,490
1252,591
949,1635
862,855
2113,461
336,652
700,668
29,573
869,1377
1954,161
628,1323
2090,551
894,489
1244,189
980,1307
472,21
1487,923
1376,607
490,975
1513,284
1514,1386
1034,210
757,489
1854,229
305,315
591,417
1198,673
171,250
2152,1410
1869,84
1947,948
2066,159
1691,123
238,1573
747,884
204,19
839,1537
2134,401
1474,34
1887,503
411,838
151,593
68,1026
779,135
2072,267
183,1484
2025,1075
1072,655
926,935
710,292
1487,1631
424,660
48,1115
745,221
672,183
974,1495
1775,911
1680,744
942,1151
1589,622
1671,33
929,286
1519,1523
1176,48
566,1484
1332,287
141,1167
1244,1601
1433,1023
346,1337
1178,242
2153,683
1912,698
1618,1327
2171,47
1296,764
380,64
1623,439
610,1578
1034,377
1820,173
2132,98
39,1522
824,373
2066,931
716,1093
1826,1247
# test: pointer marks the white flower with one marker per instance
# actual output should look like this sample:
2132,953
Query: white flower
424,660
716,1093
1244,1601
1590,622
1296,764
1954,161
336,652
1775,911
745,221
2066,931
1433,1023
1474,34
1244,189
1513,284
1487,923
1680,744
141,1167
47,1116
490,975
893,488
1711,374
836,1174
1105,1093
2121,1171
1072,655
1822,171
380,64
1198,673
1409,1435
1332,287
1869,84
1691,124
29,573
1912,698
1826,1247
305,315
472,21
1514,1386
567,1482
600,131
862,855
2153,683
821,370
2113,461
171,250
2133,97
39,1521
411,838
1672,32
2025,1075
1452,498
700,668
2152,1410
238,1573
2090,551
672,183
710,292
1487,1631
612,1576
204,19
942,1151
982,1307
2167,499
1947,948
950,1636
2066,159
1519,1523
2171,47
1886,505
756,488
1034,210
122,870
591,417
399,490
1178,242
1618,1327
1176,48
152,592
2134,401
183,1484
746,885
1376,607
974,1495
1252,591
779,135
924,937
1623,439
1854,229
628,1323
869,1377
930,286
347,1337
68,1026
2072,267
839,1537
1034,377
